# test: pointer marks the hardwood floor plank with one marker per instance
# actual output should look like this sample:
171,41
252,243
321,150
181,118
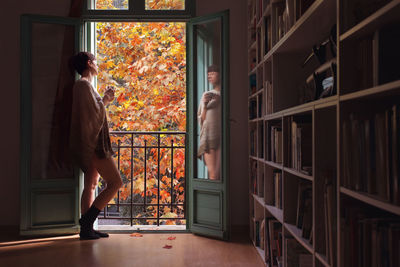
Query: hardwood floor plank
123,250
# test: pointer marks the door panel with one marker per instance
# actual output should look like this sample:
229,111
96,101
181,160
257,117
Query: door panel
49,181
208,131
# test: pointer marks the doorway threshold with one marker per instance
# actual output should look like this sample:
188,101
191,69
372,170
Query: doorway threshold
142,228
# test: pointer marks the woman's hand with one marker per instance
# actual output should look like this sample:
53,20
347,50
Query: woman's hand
109,95
206,98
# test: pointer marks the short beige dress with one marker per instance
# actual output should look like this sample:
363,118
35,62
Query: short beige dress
210,128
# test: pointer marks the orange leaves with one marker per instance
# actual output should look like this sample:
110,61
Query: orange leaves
136,235
165,4
147,61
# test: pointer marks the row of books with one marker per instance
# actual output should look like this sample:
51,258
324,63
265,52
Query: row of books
301,145
259,234
296,254
273,244
253,84
251,12
357,10
253,109
260,143
268,236
276,143
252,65
371,60
253,142
262,5
371,154
277,186
253,177
304,209
329,222
369,242
287,13
282,19
266,35
269,97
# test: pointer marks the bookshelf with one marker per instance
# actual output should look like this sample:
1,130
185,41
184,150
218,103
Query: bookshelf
324,138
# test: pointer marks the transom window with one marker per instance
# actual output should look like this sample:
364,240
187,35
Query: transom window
159,8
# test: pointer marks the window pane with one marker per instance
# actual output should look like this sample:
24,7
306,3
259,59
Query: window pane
52,46
165,4
111,4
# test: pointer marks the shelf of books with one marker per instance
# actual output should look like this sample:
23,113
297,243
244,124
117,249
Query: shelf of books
324,116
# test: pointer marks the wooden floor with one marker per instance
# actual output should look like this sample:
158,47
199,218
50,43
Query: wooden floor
120,250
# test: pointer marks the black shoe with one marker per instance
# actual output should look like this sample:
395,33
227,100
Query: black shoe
86,222
88,234
100,234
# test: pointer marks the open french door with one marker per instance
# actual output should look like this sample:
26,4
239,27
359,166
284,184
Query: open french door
50,184
208,158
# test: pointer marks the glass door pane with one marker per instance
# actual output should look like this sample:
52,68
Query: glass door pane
109,4
52,46
209,95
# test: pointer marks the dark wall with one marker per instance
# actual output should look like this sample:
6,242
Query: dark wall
10,87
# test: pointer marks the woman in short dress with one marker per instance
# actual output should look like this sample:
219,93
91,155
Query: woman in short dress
209,117
90,143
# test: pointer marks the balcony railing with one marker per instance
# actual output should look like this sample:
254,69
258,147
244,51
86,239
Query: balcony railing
152,167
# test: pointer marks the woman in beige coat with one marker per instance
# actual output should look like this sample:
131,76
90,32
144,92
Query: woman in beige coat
209,117
90,143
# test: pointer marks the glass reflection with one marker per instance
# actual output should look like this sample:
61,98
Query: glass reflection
51,97
209,105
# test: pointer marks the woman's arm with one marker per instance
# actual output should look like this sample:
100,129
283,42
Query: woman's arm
202,112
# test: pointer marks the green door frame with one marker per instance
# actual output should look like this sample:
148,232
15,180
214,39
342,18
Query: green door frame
212,192
35,192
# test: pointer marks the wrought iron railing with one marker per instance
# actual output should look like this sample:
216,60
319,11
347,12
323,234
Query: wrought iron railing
150,194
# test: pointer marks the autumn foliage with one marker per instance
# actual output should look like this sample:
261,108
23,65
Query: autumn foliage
146,63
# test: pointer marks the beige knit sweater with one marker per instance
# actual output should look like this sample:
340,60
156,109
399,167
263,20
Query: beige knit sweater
89,127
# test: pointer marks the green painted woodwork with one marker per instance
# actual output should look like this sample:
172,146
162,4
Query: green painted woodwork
49,200
208,200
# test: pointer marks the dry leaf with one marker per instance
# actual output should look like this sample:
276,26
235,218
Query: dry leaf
136,235
167,246
171,238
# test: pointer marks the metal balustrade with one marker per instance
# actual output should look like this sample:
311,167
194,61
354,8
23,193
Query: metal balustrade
143,146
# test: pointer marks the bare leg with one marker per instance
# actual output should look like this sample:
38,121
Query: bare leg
210,159
109,172
217,163
90,182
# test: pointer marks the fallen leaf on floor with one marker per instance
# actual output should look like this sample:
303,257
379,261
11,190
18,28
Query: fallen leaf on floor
136,235
167,246
171,238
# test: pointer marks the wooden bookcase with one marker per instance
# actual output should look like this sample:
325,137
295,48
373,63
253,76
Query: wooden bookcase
324,138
